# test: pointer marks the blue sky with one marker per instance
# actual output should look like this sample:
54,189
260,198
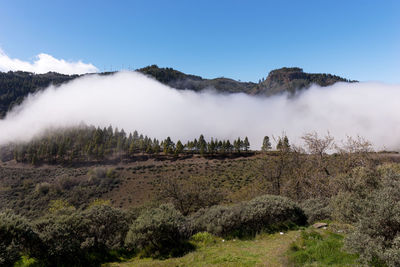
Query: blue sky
238,39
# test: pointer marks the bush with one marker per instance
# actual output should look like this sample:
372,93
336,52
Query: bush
316,209
264,213
218,220
98,172
62,237
108,227
43,188
377,234
66,183
16,237
60,206
354,190
159,232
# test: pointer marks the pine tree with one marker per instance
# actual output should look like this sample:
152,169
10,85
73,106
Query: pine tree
228,146
156,146
202,145
266,144
246,144
179,148
285,143
279,145
237,144
169,146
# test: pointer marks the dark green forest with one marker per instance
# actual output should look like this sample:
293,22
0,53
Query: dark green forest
15,86
88,144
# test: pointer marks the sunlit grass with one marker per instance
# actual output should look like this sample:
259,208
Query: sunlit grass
316,248
263,250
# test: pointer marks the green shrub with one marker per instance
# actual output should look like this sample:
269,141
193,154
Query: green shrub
268,211
264,213
377,234
108,227
159,232
316,209
60,206
354,189
218,220
16,237
62,237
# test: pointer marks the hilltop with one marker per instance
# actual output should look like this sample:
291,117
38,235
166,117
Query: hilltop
15,86
293,79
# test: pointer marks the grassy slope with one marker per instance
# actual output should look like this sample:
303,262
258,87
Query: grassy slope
264,250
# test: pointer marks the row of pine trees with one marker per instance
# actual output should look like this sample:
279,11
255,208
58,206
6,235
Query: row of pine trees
88,143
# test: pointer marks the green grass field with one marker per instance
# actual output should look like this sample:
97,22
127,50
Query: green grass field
264,250
294,248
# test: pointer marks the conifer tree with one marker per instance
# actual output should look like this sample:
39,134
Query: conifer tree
179,148
266,144
246,144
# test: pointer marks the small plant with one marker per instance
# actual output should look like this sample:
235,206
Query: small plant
317,249
42,188
203,239
60,206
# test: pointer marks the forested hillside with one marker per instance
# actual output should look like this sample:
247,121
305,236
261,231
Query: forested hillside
14,86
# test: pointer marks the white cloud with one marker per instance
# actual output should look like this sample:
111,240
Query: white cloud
134,101
45,63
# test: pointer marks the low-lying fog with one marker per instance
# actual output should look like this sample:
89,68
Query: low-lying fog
133,101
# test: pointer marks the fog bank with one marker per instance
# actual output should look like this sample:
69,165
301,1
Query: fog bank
133,101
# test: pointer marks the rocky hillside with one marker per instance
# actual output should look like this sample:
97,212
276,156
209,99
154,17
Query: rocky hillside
291,80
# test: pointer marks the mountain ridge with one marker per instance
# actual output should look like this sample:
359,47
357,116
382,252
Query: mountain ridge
16,85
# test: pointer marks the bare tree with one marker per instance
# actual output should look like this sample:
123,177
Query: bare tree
189,195
319,147
354,152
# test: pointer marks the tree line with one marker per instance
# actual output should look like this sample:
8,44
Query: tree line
88,143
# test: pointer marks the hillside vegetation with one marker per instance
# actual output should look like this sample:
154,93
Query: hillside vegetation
63,204
15,86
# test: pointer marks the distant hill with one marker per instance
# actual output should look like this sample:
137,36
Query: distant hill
180,80
15,86
278,81
291,80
